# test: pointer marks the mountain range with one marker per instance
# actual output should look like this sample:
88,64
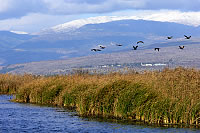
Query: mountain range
74,40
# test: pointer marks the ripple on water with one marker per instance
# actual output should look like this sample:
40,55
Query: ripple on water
15,117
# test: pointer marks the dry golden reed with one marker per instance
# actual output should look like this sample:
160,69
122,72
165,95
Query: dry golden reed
171,96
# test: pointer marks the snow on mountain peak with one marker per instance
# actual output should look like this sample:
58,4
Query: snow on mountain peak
18,32
93,20
186,18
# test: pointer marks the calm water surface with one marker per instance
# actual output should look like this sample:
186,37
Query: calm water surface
15,117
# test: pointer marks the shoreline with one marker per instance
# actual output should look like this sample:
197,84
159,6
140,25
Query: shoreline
114,119
170,97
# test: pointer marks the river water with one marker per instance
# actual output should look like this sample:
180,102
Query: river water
16,117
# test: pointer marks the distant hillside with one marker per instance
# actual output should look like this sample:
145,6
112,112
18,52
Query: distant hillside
170,56
11,40
66,44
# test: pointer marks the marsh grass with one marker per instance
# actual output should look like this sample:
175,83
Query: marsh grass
168,97
9,84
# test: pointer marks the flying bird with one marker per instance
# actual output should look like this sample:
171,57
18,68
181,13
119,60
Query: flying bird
181,47
140,42
158,49
169,37
95,49
102,47
187,37
135,47
118,44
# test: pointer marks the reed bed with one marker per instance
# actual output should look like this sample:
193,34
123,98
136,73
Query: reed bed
171,96
9,84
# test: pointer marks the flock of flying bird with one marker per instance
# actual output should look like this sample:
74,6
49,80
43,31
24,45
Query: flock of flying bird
135,47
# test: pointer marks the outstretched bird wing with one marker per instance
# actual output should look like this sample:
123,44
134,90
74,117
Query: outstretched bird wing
169,37
135,47
140,42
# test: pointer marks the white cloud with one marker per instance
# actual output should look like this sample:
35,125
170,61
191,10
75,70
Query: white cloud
5,5
187,18
19,8
85,6
33,15
19,50
34,22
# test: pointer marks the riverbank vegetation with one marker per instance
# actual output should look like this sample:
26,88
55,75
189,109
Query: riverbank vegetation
171,96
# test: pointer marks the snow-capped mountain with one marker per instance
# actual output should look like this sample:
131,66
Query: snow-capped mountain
78,37
186,18
93,20
19,32
73,25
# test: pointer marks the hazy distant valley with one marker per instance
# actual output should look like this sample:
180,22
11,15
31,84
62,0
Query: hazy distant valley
53,52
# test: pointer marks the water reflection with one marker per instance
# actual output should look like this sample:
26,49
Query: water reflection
15,117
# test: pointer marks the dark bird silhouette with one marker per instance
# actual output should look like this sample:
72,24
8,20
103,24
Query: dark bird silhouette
140,42
187,37
95,49
157,49
118,44
135,47
169,37
181,47
102,47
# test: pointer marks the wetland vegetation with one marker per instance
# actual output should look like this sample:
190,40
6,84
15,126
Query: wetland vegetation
171,96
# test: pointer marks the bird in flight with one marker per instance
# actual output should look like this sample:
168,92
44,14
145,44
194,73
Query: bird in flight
158,49
169,37
119,45
140,42
135,47
187,37
181,47
116,44
95,49
102,47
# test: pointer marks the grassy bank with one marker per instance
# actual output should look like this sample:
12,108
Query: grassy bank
9,84
167,97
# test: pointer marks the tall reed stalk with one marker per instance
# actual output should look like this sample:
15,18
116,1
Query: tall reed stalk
168,97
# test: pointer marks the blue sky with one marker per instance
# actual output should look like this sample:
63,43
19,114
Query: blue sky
34,15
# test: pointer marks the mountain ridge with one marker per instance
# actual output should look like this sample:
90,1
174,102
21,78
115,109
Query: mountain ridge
171,56
75,24
79,42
